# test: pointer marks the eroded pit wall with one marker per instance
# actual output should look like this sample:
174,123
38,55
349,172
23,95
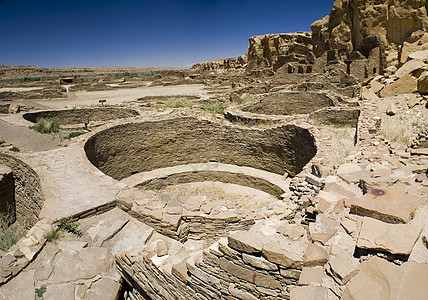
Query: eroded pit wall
140,147
28,193
74,116
289,103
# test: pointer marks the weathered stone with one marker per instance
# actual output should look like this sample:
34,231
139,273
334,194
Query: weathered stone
405,85
376,86
422,84
348,168
314,256
409,67
419,55
323,229
310,293
344,266
285,252
247,242
259,262
240,294
419,151
311,276
393,238
162,248
104,288
391,109
380,279
349,225
237,271
341,242
388,205
292,231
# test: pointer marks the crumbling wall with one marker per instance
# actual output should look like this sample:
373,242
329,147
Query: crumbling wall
28,193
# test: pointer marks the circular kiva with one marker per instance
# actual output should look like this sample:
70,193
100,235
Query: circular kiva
74,116
133,148
288,103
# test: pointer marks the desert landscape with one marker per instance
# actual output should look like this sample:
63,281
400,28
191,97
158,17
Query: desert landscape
298,170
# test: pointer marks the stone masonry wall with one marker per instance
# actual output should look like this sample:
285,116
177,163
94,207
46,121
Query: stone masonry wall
7,192
28,193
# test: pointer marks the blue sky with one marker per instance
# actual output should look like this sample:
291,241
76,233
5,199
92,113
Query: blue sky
79,33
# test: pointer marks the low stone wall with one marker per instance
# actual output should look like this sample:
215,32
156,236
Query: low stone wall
336,116
7,193
133,148
288,103
73,116
28,193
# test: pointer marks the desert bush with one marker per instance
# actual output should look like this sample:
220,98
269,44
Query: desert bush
216,107
74,134
9,235
68,225
176,103
14,149
46,125
52,235
40,291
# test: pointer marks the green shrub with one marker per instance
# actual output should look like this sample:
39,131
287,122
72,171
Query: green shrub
14,149
68,225
46,125
52,235
2,142
247,99
74,134
40,291
176,103
216,107
9,235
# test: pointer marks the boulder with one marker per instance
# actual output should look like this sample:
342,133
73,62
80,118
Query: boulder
344,266
405,85
387,205
380,279
419,55
314,256
392,238
422,83
409,67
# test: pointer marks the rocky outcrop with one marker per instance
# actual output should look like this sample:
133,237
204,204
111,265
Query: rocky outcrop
276,50
361,25
222,64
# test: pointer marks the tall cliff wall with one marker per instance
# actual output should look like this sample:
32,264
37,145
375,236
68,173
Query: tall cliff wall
361,25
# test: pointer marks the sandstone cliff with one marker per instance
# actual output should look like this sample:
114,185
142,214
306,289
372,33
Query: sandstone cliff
361,25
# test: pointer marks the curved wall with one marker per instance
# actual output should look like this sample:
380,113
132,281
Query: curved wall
73,116
140,147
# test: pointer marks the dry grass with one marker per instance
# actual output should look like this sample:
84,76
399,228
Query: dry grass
404,126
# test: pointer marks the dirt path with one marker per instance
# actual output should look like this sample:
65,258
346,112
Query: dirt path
26,139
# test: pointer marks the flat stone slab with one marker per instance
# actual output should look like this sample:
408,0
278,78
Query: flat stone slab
392,238
103,227
380,279
70,183
387,205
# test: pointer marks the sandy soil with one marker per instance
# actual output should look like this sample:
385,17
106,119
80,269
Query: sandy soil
119,96
230,195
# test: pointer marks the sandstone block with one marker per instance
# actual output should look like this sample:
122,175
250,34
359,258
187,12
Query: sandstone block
310,293
409,67
349,225
392,238
344,266
285,252
380,279
247,242
405,85
323,229
314,256
259,262
311,276
387,205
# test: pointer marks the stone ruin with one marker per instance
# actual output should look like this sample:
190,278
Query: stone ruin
352,230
